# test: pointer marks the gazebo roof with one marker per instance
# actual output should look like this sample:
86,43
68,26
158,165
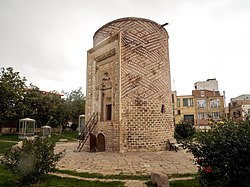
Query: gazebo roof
46,127
27,119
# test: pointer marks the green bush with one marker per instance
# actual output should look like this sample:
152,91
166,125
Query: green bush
35,159
74,126
184,130
223,155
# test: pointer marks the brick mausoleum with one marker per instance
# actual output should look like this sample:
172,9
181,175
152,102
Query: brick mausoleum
129,85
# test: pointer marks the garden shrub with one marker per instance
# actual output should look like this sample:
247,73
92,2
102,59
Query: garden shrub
74,126
34,160
223,155
184,130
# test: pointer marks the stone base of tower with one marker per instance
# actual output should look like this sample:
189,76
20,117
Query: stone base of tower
145,126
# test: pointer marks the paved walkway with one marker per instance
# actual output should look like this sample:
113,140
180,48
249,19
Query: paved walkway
130,163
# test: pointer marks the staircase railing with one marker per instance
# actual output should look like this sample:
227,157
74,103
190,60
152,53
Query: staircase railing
85,133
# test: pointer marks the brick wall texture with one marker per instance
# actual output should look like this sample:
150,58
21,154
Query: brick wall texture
128,69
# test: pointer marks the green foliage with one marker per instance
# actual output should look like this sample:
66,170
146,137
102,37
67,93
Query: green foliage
184,130
33,161
74,126
47,108
12,88
223,155
73,106
43,106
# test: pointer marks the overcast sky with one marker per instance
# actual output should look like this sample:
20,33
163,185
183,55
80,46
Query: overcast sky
47,40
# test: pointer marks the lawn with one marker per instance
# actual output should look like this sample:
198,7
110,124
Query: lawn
101,176
9,137
70,135
5,146
179,183
7,179
184,183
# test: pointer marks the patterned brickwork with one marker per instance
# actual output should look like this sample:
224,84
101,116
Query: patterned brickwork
141,91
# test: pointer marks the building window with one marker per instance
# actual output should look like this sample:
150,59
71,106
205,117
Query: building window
178,102
216,115
188,102
108,112
178,112
162,109
189,118
214,103
248,112
202,94
201,103
172,98
202,115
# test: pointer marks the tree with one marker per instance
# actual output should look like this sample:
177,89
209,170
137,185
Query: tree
12,90
184,130
32,101
74,105
222,155
47,108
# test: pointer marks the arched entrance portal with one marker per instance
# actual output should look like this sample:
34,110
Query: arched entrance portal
101,142
92,143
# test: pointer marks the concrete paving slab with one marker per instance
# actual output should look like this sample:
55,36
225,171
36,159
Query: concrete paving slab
134,163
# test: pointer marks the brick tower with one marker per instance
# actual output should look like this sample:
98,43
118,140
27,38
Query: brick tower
129,87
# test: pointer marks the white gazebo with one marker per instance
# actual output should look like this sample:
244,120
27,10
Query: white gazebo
81,123
46,130
27,128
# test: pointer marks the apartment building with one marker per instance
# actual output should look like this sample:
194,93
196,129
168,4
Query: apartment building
209,84
183,108
239,107
209,106
205,105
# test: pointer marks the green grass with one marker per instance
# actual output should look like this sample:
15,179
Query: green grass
179,183
100,176
5,146
184,183
121,176
70,135
182,175
9,137
56,181
7,179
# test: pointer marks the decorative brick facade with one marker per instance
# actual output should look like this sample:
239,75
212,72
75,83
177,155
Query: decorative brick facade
128,84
